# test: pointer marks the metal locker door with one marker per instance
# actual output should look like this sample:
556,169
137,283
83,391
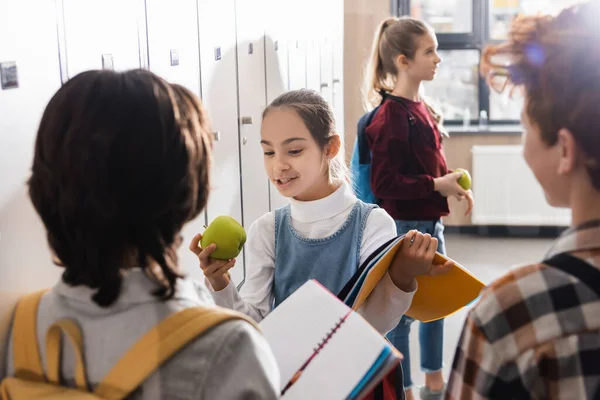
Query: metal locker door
325,35
297,60
313,65
298,35
31,76
326,61
276,56
337,13
313,39
107,34
252,102
173,54
219,94
276,49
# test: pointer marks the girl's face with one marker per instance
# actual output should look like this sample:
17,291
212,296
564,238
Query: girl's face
294,161
424,65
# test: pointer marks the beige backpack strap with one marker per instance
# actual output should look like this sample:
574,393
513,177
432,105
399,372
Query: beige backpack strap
158,345
54,347
26,352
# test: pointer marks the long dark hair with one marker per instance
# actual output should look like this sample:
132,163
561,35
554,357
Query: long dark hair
121,164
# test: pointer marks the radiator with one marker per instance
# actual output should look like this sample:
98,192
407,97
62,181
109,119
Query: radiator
506,191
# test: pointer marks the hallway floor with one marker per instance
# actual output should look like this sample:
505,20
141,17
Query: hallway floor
488,258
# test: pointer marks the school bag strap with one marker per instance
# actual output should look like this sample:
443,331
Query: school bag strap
26,352
53,352
158,345
145,356
364,153
587,274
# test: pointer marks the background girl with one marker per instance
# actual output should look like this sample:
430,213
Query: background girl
409,175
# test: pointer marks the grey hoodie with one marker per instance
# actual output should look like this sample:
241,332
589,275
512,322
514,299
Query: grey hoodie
231,361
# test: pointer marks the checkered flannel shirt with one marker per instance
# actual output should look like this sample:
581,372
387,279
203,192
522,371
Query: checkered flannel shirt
535,333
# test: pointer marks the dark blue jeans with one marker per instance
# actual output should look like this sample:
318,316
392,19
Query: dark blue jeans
431,334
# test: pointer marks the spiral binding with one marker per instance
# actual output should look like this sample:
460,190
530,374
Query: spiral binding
316,351
328,337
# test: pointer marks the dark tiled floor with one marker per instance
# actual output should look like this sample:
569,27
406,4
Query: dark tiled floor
488,258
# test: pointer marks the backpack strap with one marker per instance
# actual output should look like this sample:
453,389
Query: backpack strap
412,124
580,269
26,353
364,153
158,345
53,352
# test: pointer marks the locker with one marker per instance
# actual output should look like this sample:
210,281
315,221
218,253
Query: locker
297,60
173,42
173,54
337,33
312,39
100,34
276,57
313,62
276,49
298,36
28,39
326,62
331,59
252,101
218,68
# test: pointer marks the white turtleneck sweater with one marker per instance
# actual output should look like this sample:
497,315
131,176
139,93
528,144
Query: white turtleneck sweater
315,219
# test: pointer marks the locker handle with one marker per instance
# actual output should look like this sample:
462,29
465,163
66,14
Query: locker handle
246,120
336,81
217,136
324,85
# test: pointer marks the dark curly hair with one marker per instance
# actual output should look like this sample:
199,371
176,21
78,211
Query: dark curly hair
121,164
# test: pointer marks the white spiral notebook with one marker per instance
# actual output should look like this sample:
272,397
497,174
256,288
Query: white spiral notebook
324,349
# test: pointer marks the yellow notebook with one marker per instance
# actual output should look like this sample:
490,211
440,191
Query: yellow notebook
437,296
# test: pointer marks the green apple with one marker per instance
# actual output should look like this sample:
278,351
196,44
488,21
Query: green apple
227,234
465,180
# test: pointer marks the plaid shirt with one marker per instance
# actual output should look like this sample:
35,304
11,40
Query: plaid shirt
535,333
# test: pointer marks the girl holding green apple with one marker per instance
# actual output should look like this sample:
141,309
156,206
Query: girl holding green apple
325,233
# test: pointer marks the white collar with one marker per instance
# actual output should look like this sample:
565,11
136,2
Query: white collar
136,288
327,207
